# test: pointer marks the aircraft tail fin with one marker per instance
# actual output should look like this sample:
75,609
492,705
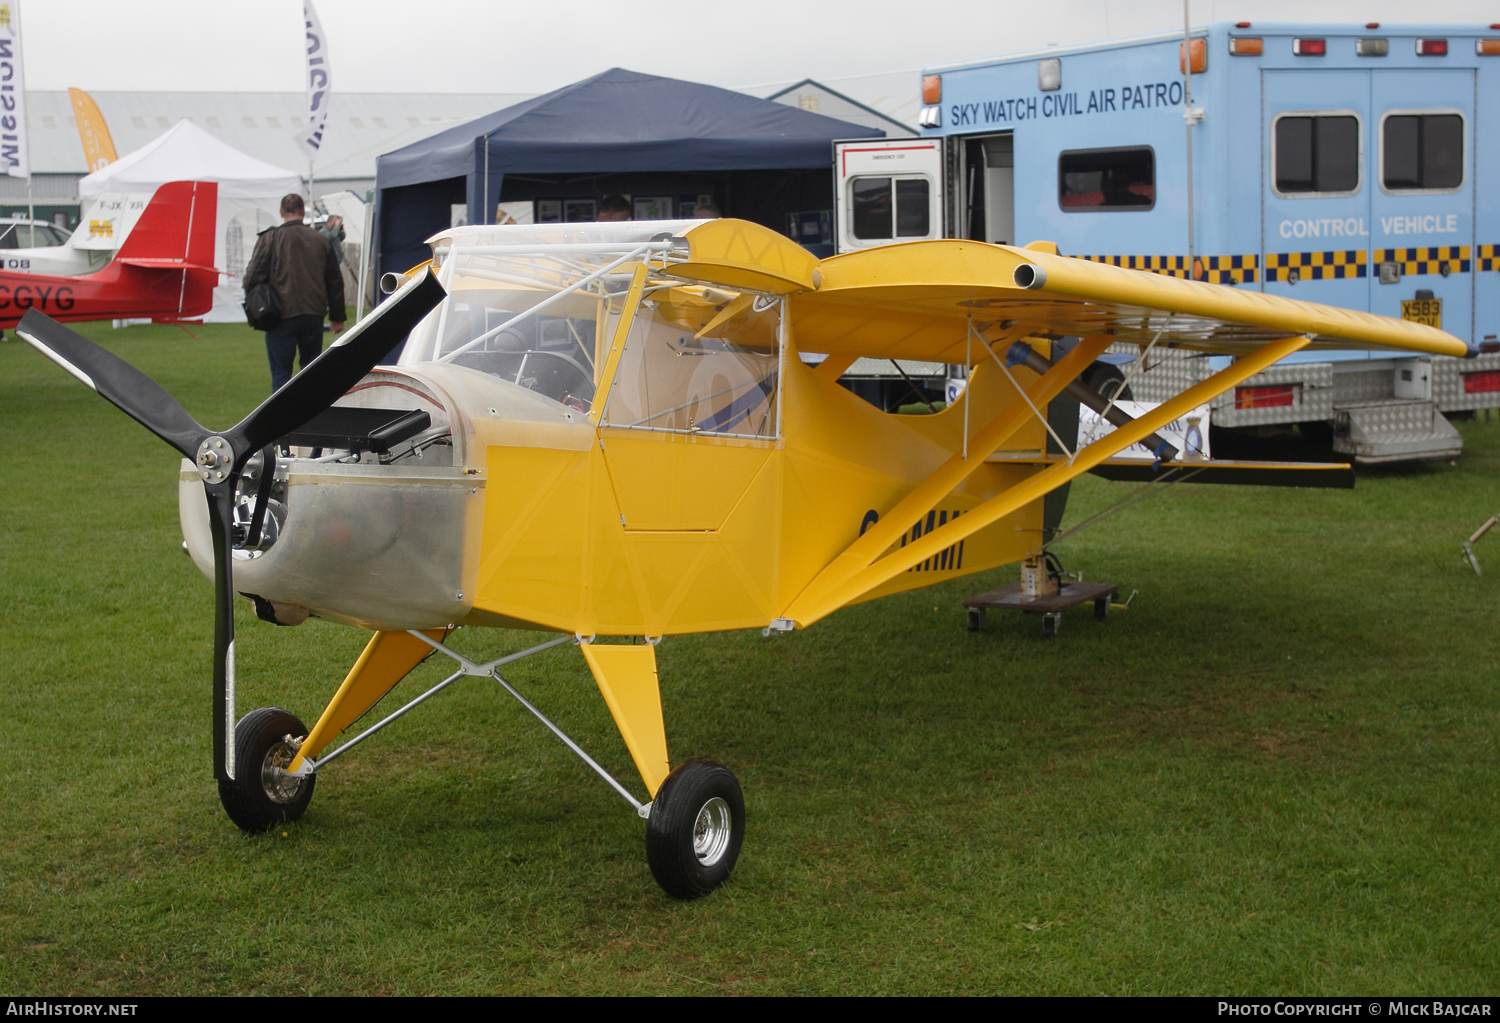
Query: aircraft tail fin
176,230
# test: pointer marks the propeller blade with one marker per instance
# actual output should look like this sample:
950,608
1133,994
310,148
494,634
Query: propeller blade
116,380
340,367
318,386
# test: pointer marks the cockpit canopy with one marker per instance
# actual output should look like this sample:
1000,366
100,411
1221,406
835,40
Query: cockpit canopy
540,307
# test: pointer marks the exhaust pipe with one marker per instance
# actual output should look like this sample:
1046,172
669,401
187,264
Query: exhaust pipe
1025,355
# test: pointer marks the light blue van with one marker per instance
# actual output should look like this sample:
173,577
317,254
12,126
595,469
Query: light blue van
1353,166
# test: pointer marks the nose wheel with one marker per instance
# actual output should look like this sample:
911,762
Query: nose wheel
695,830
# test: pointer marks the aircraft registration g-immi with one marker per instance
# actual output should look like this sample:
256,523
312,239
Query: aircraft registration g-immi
132,258
608,432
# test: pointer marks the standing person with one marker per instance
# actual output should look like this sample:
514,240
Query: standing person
307,282
333,230
614,207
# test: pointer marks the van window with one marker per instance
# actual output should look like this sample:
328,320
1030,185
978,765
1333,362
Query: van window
1316,154
1090,180
879,204
1422,152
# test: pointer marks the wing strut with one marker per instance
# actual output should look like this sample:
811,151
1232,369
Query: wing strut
856,572
950,474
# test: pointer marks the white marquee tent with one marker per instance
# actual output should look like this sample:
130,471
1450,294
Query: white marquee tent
249,193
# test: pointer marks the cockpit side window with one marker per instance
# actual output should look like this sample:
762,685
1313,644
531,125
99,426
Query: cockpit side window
699,360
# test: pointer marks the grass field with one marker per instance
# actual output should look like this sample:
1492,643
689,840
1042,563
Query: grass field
1276,772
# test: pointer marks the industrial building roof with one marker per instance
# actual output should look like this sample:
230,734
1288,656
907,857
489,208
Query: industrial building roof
361,126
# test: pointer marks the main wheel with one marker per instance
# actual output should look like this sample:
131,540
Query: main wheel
262,794
1109,380
696,827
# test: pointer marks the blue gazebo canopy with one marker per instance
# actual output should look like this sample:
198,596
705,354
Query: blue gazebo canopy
615,122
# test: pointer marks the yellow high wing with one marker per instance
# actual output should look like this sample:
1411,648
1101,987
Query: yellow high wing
967,302
914,301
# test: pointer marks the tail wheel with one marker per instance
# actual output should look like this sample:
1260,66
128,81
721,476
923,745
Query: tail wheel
262,794
696,828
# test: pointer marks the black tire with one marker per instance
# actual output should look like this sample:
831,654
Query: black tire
261,796
1107,378
688,854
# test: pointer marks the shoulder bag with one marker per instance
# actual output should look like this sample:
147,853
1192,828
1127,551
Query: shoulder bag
262,307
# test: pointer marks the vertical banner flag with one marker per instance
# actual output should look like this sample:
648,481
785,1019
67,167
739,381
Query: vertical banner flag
310,138
13,155
98,147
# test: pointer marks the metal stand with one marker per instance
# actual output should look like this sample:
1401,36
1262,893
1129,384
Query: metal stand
489,669
1049,605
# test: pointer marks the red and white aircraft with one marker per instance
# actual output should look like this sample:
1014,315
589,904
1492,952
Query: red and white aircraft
164,269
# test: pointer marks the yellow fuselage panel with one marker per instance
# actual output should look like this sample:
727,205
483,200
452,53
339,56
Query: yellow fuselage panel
674,481
651,533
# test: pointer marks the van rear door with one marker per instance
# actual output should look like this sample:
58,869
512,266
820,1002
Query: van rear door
1319,177
887,191
1422,199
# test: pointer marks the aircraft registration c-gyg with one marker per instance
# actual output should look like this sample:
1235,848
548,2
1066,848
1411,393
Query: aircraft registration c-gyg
608,432
163,269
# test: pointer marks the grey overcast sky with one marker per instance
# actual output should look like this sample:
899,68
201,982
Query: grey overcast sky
495,46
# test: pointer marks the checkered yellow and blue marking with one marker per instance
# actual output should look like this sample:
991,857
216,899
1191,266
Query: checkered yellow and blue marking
1216,269
1316,266
1430,259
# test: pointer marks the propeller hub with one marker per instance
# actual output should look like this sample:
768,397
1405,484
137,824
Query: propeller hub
215,457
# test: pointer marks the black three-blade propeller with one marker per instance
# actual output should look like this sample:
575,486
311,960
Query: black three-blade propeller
221,457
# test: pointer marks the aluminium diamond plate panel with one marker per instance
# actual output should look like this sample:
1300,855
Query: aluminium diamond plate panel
1394,430
1312,397
1364,385
1449,380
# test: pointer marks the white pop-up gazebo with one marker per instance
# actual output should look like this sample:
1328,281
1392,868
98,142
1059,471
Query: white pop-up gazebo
250,191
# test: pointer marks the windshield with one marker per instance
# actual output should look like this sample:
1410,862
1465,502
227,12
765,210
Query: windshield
18,235
533,305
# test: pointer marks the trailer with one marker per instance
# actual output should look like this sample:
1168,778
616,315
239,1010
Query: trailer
1339,164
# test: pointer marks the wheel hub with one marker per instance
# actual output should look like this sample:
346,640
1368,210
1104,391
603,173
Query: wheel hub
280,787
711,832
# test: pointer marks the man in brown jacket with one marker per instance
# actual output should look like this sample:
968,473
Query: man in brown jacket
307,282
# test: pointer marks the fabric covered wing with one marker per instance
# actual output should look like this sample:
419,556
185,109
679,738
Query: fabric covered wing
914,301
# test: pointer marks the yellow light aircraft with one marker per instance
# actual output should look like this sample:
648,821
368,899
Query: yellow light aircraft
609,431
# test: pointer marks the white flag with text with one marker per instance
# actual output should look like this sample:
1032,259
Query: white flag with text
310,138
13,155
